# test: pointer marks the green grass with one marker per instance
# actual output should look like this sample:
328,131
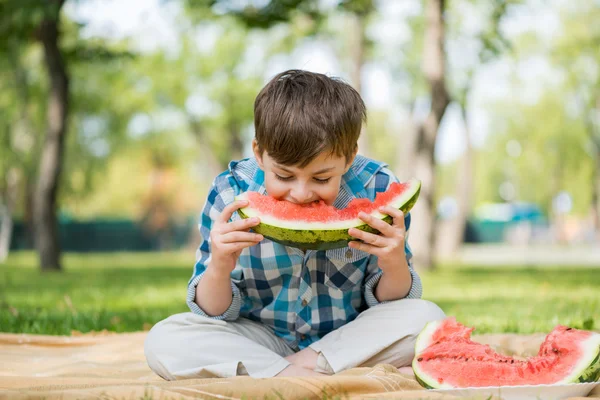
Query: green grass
129,292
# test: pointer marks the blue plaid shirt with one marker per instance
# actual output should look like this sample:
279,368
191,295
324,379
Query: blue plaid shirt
301,296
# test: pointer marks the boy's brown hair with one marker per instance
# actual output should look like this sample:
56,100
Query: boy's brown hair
300,114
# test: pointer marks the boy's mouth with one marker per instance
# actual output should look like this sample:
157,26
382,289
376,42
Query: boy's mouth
305,204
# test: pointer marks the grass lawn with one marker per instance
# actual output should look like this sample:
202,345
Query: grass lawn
131,291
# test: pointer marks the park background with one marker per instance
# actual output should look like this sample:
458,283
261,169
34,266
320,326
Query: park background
115,116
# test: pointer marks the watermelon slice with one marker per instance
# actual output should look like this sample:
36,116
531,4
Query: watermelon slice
445,358
317,225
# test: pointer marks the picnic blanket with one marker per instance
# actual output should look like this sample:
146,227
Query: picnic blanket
112,366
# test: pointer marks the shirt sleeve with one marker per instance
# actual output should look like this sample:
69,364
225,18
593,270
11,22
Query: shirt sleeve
222,193
374,274
383,179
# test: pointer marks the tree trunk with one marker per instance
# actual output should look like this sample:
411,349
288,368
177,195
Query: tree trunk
405,156
434,66
44,208
6,212
357,30
454,233
6,229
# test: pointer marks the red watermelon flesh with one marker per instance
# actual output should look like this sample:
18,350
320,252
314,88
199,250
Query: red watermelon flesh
319,211
452,360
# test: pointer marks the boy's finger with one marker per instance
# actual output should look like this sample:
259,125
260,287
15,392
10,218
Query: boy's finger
367,248
397,215
238,246
237,237
376,223
241,225
367,237
230,209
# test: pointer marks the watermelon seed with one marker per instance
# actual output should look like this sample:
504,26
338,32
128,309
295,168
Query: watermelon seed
466,359
569,329
555,350
512,361
420,359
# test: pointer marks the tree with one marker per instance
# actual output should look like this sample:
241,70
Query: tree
358,12
51,160
62,162
15,127
434,67
490,43
41,21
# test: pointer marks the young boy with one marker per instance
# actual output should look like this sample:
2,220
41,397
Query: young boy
263,309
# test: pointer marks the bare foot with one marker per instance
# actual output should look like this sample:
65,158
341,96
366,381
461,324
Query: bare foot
306,358
294,370
406,371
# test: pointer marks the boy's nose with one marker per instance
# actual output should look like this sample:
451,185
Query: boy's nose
301,196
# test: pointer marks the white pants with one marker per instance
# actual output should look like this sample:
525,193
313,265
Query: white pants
188,345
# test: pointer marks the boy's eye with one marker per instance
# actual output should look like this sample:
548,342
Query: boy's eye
283,178
289,178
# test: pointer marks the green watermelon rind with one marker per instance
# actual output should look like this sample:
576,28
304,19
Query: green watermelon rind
587,370
423,341
319,237
592,373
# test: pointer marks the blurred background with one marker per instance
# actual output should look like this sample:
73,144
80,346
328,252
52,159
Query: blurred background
115,116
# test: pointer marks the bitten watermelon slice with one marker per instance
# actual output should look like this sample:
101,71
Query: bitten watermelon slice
445,358
319,226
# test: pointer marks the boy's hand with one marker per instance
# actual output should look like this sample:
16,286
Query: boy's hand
228,239
389,245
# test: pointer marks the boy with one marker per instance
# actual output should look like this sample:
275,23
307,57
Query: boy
263,309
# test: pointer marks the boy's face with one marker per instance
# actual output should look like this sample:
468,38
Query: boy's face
319,180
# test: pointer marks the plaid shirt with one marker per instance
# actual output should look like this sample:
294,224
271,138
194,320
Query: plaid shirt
301,296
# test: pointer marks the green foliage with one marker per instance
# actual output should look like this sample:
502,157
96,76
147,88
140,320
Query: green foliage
553,154
405,61
265,16
104,97
20,20
102,101
382,140
130,292
487,43
557,131
358,7
22,115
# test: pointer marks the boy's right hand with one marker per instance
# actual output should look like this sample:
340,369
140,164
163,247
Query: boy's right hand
228,239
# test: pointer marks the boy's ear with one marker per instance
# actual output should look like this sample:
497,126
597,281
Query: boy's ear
257,154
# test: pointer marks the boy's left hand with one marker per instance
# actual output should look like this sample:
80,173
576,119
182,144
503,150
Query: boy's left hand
387,246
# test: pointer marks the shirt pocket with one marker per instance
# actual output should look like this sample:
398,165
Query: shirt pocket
344,268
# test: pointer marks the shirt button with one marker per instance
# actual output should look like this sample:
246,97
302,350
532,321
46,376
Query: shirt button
304,303
302,337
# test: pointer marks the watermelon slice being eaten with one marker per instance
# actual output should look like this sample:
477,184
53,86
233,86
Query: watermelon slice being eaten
317,225
445,357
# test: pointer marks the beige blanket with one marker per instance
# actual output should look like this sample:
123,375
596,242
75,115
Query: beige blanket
112,366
